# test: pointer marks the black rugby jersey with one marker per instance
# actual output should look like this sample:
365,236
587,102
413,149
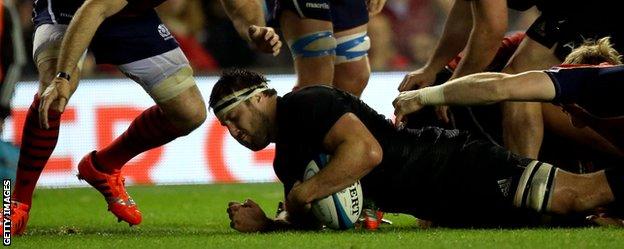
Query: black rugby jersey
435,167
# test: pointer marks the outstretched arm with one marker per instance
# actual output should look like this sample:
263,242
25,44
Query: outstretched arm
476,89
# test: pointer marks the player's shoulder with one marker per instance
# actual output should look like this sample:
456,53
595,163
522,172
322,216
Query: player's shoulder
311,92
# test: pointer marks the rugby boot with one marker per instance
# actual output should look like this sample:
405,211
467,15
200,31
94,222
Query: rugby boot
369,219
19,217
111,186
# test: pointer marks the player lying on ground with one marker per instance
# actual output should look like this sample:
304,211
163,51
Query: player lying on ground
128,34
445,176
589,93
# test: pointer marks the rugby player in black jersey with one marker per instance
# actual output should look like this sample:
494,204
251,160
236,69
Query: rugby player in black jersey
445,176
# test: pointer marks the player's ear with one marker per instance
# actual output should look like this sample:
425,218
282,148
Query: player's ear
258,97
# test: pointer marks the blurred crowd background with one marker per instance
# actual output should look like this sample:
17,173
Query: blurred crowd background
402,36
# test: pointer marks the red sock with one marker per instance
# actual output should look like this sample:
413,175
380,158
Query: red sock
37,146
147,131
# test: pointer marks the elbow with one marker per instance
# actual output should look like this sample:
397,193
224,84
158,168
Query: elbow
373,155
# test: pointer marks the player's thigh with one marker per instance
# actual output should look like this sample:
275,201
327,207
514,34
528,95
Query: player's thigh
46,49
352,69
168,79
531,55
524,118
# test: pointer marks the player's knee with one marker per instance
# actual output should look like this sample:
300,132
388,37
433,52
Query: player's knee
351,78
200,116
173,85
352,48
535,187
181,97
191,117
311,45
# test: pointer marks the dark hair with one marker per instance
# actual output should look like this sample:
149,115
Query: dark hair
236,79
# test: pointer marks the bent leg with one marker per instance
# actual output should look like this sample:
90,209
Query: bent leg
523,127
37,144
180,109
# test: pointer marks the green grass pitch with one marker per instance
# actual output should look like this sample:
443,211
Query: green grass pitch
194,216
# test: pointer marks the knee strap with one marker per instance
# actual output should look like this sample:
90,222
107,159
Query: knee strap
313,45
173,85
535,187
352,47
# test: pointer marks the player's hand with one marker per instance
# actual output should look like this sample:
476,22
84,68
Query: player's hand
419,78
56,93
404,104
374,6
296,201
265,39
247,217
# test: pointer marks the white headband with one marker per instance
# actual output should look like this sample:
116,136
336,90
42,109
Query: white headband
228,102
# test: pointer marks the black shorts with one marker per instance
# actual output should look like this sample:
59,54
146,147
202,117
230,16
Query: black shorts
344,14
127,39
470,185
567,31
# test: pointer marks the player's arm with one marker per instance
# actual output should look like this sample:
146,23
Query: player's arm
477,89
453,40
355,152
488,29
243,14
454,37
75,41
248,19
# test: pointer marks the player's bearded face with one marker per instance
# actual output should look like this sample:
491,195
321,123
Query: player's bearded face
249,126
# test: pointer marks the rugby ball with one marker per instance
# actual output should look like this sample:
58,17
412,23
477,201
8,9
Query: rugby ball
340,210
